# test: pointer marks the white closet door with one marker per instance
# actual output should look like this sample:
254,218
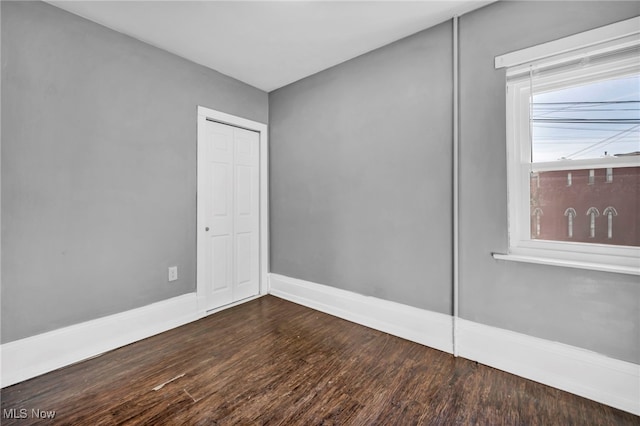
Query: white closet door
231,222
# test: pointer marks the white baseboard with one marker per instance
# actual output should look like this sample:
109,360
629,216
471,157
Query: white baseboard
579,371
418,325
30,357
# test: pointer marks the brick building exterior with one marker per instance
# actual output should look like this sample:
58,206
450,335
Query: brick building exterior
589,205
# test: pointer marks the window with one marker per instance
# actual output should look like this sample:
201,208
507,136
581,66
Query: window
573,121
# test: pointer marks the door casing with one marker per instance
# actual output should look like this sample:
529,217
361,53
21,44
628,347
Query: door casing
205,114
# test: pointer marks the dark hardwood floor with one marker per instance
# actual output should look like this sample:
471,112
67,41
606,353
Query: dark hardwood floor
274,362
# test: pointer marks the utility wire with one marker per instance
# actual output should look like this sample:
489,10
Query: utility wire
588,120
603,142
586,102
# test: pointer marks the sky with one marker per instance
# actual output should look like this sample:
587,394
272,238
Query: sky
584,122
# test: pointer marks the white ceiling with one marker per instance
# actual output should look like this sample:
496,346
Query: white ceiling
268,44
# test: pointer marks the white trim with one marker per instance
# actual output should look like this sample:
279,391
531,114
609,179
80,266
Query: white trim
582,40
418,325
456,187
224,118
32,356
605,267
233,120
522,247
581,372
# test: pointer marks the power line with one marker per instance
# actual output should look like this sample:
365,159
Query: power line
586,103
586,129
562,110
588,120
603,142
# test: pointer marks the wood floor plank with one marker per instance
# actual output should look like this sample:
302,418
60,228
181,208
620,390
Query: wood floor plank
272,362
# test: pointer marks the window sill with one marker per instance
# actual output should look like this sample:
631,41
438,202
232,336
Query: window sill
620,269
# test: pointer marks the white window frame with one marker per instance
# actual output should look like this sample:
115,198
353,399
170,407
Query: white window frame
603,257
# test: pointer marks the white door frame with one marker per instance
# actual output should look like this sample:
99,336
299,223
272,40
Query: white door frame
205,114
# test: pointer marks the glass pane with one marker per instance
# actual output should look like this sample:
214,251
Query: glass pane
588,121
587,205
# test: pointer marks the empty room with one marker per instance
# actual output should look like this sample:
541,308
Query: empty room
320,212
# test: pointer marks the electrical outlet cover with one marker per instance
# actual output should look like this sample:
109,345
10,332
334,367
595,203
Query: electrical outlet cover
173,273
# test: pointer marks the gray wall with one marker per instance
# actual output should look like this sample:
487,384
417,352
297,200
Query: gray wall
361,173
360,182
98,176
593,310
98,167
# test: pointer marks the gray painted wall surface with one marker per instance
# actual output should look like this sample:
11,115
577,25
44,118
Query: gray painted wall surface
361,174
593,310
360,170
98,168
98,176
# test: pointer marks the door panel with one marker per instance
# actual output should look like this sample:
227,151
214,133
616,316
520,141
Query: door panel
219,213
243,257
232,215
220,270
219,185
246,214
